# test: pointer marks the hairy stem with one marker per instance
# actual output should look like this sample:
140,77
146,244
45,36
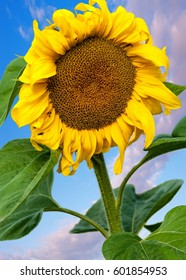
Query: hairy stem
109,201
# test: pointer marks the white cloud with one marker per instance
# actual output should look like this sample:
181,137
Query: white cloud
61,245
40,13
8,11
146,176
25,32
113,4
178,54
36,12
146,9
171,31
167,23
159,31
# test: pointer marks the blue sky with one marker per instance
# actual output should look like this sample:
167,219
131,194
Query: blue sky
167,21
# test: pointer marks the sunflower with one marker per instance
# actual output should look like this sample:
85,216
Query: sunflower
93,80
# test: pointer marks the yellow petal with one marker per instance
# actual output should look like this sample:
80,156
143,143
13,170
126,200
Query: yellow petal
35,145
25,76
55,133
45,120
65,166
123,23
30,93
144,30
41,69
106,22
136,134
25,113
119,141
99,142
90,24
85,7
107,140
142,119
40,46
48,134
93,141
64,20
126,129
87,145
157,90
56,40
153,105
69,139
151,53
148,71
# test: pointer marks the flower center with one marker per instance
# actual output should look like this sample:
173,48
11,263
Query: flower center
93,84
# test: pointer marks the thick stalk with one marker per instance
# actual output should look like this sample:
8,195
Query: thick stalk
109,201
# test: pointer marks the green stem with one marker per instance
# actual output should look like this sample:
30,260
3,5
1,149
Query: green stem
109,201
83,217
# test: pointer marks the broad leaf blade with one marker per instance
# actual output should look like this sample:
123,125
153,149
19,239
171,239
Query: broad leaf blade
176,89
170,238
18,225
138,208
153,227
164,143
27,216
123,246
180,128
168,242
22,168
10,86
96,213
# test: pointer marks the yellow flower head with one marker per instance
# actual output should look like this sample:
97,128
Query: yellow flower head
93,80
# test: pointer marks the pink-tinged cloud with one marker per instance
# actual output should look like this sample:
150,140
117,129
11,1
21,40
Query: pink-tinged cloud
61,245
167,23
178,53
146,176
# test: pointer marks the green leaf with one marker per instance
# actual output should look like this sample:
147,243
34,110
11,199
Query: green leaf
176,89
153,227
168,242
27,216
163,145
22,169
123,246
180,128
96,213
10,86
136,209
